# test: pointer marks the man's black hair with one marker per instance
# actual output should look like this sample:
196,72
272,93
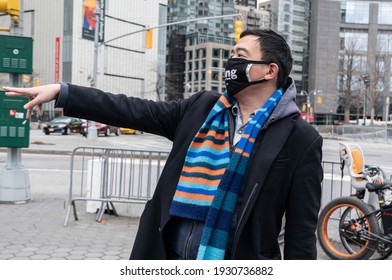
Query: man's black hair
274,48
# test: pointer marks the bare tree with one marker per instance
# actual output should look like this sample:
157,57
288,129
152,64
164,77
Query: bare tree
158,83
377,80
349,77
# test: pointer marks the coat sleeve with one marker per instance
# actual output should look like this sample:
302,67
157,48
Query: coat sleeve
119,110
303,205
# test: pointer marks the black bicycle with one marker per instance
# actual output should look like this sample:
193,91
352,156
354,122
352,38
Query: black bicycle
351,229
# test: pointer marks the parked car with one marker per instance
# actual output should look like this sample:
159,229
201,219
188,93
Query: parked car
102,129
124,130
64,125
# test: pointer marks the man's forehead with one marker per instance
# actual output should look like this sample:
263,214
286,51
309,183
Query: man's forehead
248,44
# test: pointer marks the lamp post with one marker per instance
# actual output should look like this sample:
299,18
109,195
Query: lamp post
92,129
304,92
366,80
386,117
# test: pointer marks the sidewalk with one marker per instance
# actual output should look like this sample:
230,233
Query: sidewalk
34,230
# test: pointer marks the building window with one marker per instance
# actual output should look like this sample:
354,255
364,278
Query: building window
354,12
216,53
384,41
215,75
215,63
384,13
226,54
196,65
354,40
380,85
380,66
214,88
203,64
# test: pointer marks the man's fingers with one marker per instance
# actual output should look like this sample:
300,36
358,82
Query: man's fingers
30,105
14,91
40,111
28,114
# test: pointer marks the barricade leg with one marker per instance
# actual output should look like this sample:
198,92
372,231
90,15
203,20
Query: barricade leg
106,206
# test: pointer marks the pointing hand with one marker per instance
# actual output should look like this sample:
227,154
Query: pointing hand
36,95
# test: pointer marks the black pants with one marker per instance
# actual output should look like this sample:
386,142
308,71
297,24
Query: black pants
183,238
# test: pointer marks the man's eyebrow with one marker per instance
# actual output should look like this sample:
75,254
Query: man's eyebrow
241,49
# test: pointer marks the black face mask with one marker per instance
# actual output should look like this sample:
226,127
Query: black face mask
237,74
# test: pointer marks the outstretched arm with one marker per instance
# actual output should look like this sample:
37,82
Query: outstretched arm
36,95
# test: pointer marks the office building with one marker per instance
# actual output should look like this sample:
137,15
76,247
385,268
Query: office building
197,52
183,40
290,18
63,49
350,59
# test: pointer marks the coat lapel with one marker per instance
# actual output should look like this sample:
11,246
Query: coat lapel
267,146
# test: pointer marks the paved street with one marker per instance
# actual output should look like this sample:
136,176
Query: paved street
34,230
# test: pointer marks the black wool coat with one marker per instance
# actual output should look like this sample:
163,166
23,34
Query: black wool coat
284,174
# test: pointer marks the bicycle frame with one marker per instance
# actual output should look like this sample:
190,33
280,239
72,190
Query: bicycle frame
356,226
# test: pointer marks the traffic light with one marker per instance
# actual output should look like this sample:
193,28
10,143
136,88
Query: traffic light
237,30
11,7
26,79
149,38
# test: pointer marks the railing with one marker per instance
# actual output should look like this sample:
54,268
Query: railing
379,134
104,176
335,184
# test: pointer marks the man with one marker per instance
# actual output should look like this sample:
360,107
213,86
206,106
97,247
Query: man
240,161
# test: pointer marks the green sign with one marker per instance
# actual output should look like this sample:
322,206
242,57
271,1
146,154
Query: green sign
14,127
16,54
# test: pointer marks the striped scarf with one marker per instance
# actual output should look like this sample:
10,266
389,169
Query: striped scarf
211,180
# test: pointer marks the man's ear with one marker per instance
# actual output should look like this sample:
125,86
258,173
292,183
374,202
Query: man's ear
272,71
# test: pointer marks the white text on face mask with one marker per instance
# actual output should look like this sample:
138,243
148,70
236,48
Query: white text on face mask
231,74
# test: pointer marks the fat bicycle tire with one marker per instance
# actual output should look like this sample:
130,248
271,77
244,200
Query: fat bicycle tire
344,233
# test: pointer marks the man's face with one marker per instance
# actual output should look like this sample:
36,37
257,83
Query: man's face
248,47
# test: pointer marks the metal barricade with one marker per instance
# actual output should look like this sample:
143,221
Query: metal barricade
104,176
335,183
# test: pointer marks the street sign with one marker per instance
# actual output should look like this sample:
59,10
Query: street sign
16,54
14,127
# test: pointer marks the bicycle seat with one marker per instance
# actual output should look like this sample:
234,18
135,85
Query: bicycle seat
374,187
351,154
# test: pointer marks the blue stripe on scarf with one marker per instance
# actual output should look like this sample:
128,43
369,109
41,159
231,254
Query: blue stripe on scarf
211,154
208,160
199,190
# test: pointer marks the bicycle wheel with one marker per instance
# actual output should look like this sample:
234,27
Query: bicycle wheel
345,232
384,249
